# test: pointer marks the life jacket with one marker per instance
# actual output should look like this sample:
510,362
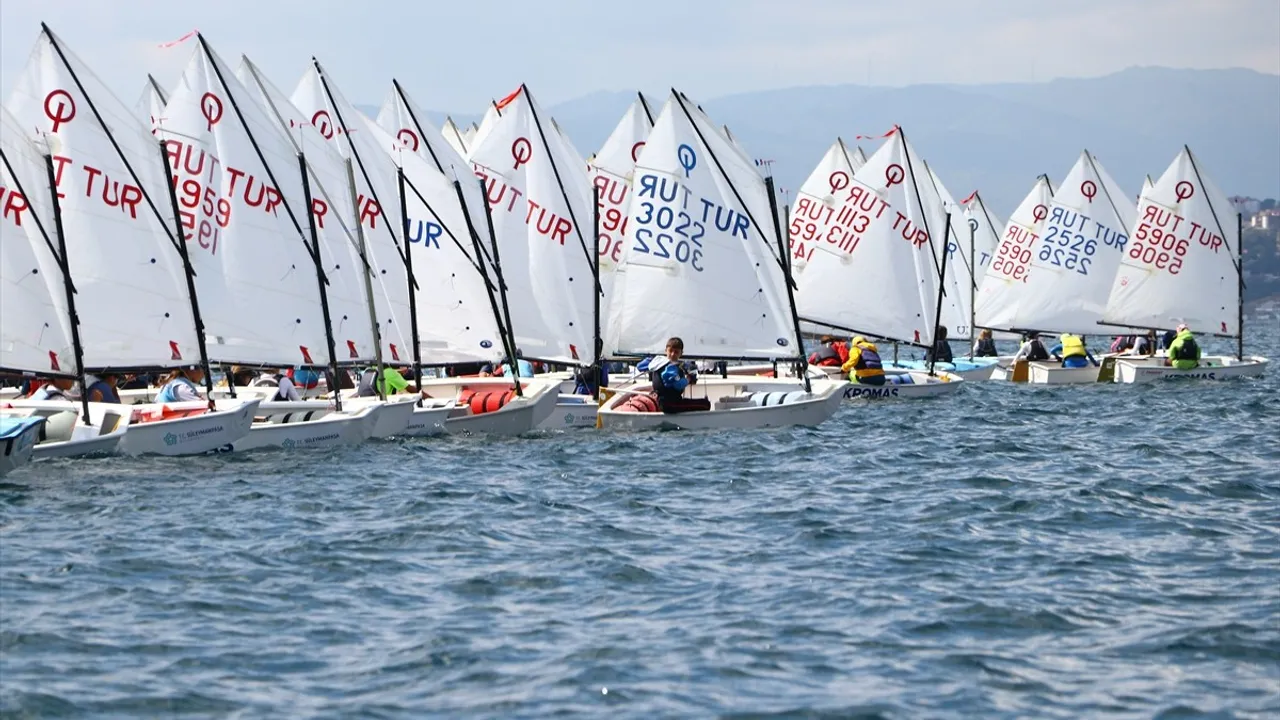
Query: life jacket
826,355
1038,351
168,393
49,391
1185,348
109,394
367,378
869,363
940,352
279,396
526,368
986,348
665,393
1072,346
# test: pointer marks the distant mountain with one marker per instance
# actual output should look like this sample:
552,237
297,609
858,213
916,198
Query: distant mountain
997,138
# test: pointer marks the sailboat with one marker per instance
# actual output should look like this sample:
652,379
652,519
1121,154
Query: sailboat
700,265
135,296
352,292
454,315
37,304
862,251
264,252
1074,263
1005,280
1183,264
450,131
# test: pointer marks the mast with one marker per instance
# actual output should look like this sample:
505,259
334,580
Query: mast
64,264
413,297
973,279
178,241
1240,286
506,337
937,315
159,90
378,390
597,343
502,289
322,281
190,274
787,280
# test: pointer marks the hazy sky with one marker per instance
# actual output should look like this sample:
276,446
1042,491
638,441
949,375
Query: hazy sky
456,55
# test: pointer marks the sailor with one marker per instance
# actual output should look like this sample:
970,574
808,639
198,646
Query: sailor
830,352
1071,350
182,385
985,346
285,389
1033,349
941,350
670,377
526,367
864,365
54,389
103,390
1184,351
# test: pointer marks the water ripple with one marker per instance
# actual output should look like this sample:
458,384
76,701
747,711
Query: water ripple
1007,552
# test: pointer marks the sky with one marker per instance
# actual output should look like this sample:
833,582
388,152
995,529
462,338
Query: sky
457,55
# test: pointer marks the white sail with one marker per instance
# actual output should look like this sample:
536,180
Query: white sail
1180,265
857,158
243,211
1074,263
702,262
863,254
131,287
541,206
984,227
335,217
378,199
35,329
1005,281
452,134
476,134
151,104
456,315
959,267
611,171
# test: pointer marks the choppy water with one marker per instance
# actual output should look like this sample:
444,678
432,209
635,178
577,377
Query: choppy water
1008,552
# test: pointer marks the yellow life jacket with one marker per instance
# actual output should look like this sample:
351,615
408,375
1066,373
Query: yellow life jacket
1072,345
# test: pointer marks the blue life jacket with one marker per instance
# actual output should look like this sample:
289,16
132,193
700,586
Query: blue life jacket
168,393
109,394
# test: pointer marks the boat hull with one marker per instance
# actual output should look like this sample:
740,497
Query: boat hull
519,415
108,423
308,424
733,405
188,435
1054,374
1149,370
16,447
571,411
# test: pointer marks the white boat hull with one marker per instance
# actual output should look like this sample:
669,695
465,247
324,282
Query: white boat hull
1148,370
67,434
308,424
732,405
428,420
922,385
16,450
519,415
571,411
188,435
1055,374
